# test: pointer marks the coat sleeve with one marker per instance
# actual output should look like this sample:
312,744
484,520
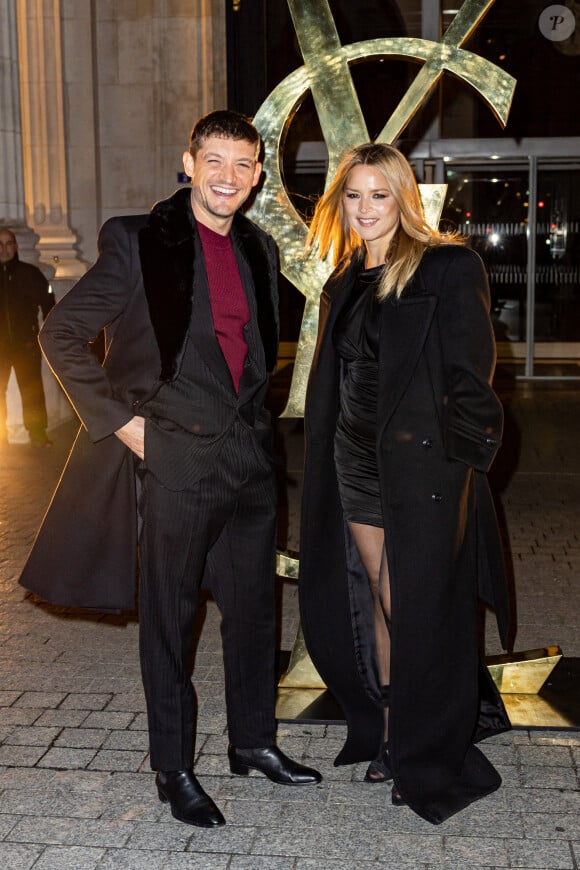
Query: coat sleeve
93,303
474,415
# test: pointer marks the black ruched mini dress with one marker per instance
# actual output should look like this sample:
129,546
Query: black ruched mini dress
356,339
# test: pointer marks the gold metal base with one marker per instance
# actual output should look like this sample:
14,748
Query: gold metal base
523,673
524,711
301,673
303,697
306,705
533,711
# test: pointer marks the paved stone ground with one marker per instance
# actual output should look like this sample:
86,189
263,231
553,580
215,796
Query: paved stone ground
75,787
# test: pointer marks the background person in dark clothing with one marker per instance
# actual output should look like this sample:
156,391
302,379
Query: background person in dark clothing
23,290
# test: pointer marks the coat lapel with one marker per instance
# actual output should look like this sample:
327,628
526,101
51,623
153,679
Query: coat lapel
333,298
166,249
263,275
404,327
324,379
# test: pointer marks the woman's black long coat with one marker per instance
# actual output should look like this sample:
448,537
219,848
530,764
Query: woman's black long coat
439,427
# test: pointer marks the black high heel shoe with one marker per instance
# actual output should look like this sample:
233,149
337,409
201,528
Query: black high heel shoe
397,798
379,770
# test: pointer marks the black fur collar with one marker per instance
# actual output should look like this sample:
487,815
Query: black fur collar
166,248
167,252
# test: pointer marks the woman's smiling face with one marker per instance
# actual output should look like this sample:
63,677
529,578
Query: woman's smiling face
369,206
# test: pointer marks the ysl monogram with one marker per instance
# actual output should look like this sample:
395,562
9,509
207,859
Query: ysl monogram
326,74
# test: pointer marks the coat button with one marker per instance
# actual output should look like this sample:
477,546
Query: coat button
426,443
437,496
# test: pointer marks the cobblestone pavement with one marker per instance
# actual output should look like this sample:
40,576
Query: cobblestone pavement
75,786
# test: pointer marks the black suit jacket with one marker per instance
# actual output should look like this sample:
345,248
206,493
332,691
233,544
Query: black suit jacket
141,289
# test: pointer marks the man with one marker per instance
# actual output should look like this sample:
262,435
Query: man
190,292
23,291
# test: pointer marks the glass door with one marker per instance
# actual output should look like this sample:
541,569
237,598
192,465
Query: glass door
490,205
556,321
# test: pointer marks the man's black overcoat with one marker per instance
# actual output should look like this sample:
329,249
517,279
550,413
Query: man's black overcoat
141,288
439,426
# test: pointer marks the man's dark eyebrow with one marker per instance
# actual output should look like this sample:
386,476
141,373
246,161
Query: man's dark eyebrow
220,157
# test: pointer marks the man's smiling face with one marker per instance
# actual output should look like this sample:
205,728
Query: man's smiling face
223,173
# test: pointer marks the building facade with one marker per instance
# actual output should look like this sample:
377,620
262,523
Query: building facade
96,103
98,95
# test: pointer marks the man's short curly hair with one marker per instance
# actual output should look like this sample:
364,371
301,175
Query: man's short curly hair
226,124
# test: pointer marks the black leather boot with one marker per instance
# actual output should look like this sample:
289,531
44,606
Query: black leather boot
188,801
272,762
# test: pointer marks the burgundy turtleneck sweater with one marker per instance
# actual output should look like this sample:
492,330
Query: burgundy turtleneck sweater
229,305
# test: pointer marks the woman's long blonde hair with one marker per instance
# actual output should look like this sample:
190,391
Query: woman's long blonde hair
330,229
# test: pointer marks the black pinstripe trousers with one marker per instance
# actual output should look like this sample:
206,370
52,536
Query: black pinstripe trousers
223,527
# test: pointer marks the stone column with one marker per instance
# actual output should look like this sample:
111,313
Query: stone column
11,189
12,207
43,138
19,174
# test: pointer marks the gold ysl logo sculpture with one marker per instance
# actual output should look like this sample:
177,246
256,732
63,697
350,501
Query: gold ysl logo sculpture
326,74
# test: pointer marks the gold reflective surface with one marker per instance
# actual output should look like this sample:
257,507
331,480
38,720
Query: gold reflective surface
301,672
433,199
331,83
286,565
292,704
518,676
317,705
531,711
523,673
326,75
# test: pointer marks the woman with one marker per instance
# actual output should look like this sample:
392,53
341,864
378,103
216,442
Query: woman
399,533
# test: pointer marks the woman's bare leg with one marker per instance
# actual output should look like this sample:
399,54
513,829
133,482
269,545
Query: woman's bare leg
370,543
